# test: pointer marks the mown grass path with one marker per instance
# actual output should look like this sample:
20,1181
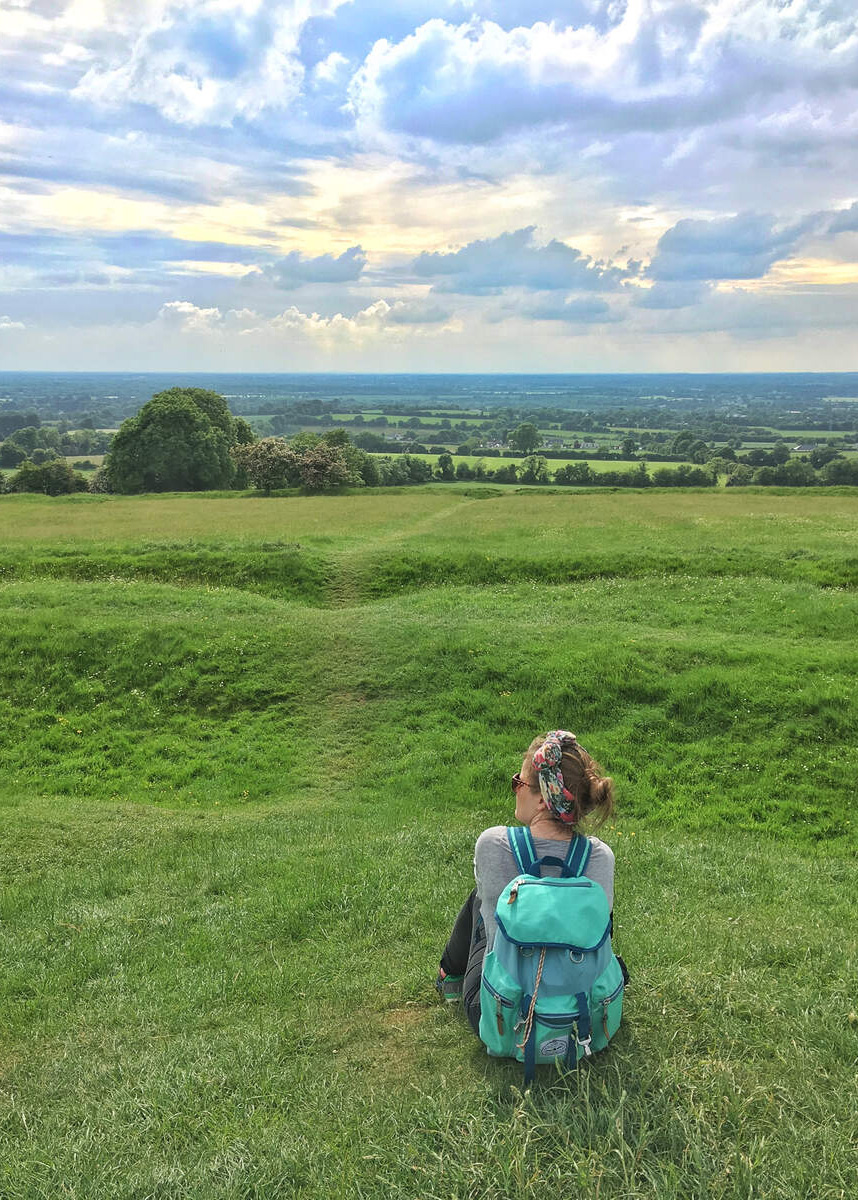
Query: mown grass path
236,821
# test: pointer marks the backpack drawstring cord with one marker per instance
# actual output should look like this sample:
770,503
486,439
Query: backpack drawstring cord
528,1024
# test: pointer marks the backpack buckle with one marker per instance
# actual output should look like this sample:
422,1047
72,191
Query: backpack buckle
584,1043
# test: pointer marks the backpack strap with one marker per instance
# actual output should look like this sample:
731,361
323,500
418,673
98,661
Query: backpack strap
523,850
577,856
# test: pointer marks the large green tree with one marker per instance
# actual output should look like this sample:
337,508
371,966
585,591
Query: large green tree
525,437
180,441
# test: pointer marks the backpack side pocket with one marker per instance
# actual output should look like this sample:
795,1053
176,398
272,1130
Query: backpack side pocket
606,1004
500,1008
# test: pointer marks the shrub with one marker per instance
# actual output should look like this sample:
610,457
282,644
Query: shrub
323,467
534,470
100,483
268,464
52,478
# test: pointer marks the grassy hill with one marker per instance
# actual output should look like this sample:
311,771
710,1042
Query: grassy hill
249,746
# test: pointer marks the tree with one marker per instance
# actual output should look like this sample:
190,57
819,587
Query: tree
578,474
445,467
698,452
179,441
53,478
370,441
525,437
821,455
268,464
419,470
627,447
841,470
11,454
11,420
370,473
534,469
302,442
244,435
322,468
28,438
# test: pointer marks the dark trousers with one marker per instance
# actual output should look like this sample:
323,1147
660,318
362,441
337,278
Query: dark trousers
464,953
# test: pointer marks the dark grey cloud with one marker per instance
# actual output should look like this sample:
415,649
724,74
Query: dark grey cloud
740,247
515,259
296,270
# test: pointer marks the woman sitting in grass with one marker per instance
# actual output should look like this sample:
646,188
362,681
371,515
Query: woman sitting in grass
559,787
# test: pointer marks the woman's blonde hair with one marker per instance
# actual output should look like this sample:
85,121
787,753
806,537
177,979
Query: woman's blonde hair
582,775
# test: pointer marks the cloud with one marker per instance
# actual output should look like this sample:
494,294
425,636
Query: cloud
188,318
402,319
740,247
7,324
515,260
107,257
753,316
296,270
845,221
211,62
571,311
637,66
680,294
416,312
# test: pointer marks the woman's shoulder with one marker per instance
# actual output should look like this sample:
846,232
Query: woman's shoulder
600,850
489,838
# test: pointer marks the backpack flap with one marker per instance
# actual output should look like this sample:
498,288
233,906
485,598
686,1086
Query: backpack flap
570,914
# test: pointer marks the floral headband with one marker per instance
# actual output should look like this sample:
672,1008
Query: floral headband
546,762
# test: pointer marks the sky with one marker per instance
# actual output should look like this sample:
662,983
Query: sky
429,185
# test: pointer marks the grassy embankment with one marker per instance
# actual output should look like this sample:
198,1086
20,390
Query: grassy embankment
237,822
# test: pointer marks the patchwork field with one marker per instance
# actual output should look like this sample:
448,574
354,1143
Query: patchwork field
250,743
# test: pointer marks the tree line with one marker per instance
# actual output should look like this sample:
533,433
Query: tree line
186,439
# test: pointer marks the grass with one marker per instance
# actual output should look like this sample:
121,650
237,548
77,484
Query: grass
238,820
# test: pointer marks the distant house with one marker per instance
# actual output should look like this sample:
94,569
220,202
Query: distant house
804,447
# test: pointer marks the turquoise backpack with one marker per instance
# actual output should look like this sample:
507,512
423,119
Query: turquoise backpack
552,987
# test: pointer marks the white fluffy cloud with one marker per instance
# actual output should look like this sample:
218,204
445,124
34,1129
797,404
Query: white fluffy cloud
660,64
379,319
7,324
209,61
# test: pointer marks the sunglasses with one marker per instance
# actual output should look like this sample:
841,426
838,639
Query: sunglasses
517,782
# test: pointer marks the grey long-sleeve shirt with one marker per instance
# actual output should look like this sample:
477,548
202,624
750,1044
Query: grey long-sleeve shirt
495,866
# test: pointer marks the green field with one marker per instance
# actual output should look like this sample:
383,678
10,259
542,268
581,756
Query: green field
249,745
596,464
